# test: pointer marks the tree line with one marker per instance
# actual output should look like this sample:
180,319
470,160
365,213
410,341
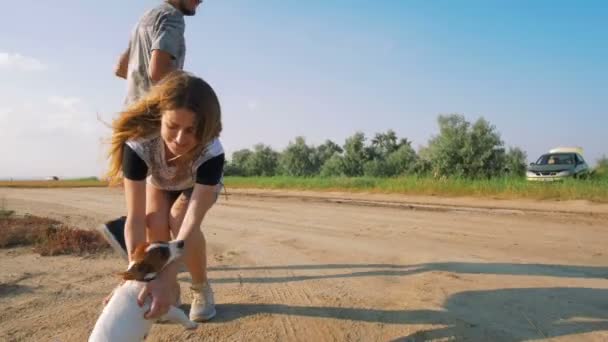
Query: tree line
460,149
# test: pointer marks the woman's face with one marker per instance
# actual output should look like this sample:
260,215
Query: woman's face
177,130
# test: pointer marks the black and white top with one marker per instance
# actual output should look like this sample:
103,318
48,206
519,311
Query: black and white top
145,158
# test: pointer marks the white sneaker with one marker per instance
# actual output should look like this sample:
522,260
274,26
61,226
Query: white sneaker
203,305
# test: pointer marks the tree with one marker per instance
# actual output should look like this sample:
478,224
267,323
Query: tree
384,144
231,170
263,161
398,162
327,150
376,168
467,151
516,162
239,164
485,154
403,160
333,167
354,155
299,159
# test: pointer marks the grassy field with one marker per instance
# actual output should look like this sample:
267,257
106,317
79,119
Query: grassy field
593,189
506,188
67,183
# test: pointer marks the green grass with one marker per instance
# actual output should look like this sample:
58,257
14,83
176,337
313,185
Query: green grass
592,189
595,189
66,183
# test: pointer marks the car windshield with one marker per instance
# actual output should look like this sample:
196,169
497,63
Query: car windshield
556,159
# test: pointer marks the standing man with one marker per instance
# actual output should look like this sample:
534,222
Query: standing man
156,48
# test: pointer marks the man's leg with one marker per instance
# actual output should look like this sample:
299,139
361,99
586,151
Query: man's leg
114,233
157,222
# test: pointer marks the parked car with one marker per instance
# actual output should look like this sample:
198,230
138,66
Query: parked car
558,164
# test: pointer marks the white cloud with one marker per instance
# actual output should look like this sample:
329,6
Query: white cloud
70,116
68,103
62,134
57,116
15,61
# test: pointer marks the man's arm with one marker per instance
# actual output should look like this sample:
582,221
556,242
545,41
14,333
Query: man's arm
166,46
161,63
122,67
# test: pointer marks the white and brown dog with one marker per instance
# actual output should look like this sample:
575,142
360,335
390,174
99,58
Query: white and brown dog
122,319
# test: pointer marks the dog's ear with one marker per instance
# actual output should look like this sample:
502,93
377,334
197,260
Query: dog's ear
139,253
127,275
137,271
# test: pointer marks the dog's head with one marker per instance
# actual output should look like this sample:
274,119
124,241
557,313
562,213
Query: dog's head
148,259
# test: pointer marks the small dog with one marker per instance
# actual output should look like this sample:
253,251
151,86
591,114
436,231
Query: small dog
122,319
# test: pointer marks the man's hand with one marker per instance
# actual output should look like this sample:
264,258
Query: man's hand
162,291
122,67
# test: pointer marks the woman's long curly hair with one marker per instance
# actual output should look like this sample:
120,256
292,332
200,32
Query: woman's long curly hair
141,119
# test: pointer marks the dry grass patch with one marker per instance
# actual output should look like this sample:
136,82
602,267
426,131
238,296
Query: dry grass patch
47,236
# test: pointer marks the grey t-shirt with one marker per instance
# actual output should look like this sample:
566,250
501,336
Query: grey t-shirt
161,28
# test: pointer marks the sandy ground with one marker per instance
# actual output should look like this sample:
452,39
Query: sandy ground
305,266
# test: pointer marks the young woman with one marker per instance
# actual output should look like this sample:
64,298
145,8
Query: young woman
165,149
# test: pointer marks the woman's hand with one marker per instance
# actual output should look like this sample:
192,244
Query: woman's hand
162,290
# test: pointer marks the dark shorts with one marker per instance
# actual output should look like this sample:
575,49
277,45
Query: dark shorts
173,195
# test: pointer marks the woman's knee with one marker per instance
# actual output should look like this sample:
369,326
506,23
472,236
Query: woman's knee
157,226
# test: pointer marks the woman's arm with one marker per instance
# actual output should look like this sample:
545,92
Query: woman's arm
204,195
135,171
135,227
202,199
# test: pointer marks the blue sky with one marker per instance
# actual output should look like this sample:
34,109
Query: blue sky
322,69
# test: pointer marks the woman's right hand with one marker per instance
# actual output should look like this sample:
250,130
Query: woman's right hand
162,291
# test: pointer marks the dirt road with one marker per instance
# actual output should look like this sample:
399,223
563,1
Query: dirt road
305,267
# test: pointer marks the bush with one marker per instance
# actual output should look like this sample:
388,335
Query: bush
263,162
354,155
516,162
48,237
601,169
333,167
465,150
299,159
